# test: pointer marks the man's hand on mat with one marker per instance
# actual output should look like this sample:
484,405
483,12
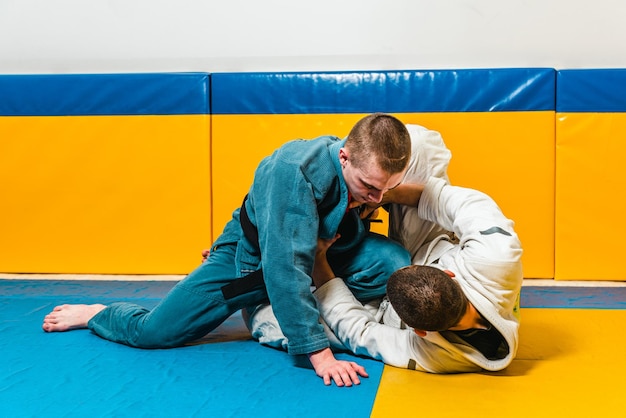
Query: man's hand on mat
344,373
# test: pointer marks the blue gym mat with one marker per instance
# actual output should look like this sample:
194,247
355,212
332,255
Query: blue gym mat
227,374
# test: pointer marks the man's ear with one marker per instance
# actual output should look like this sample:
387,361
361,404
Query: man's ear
449,273
343,155
420,332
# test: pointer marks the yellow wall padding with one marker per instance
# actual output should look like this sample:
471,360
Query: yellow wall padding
509,155
590,200
104,194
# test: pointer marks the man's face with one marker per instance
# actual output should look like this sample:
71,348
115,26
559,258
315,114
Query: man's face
471,320
369,182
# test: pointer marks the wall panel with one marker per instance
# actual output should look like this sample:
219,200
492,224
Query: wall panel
499,125
590,176
104,174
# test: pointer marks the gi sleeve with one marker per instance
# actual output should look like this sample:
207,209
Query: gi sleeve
429,158
489,250
359,331
287,220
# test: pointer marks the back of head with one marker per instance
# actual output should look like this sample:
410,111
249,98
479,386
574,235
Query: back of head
426,298
383,139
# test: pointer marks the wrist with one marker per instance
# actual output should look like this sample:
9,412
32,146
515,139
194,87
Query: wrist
320,356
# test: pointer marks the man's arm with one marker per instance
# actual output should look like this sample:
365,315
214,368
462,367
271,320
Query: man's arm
404,194
429,158
358,329
288,282
360,332
359,318
322,272
323,361
491,250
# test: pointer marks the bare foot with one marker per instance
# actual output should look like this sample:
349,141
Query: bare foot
69,317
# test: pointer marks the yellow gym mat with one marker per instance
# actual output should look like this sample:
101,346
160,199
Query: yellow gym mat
570,363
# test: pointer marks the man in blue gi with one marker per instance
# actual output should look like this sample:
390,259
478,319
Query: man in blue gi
304,190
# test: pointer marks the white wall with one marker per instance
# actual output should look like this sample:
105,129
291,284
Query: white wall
82,36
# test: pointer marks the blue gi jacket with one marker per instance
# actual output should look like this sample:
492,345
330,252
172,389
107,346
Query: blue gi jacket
298,194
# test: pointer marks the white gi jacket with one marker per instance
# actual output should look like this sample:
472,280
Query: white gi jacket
485,261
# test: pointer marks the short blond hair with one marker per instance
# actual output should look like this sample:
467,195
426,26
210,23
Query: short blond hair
381,138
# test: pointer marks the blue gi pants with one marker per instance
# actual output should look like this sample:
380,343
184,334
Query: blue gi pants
196,306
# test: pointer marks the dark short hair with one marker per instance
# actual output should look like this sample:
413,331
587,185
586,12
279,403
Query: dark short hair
381,137
426,298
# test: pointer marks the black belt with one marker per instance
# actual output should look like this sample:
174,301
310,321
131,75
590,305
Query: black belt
253,280
243,285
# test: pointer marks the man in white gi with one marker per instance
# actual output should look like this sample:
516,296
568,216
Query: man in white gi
457,233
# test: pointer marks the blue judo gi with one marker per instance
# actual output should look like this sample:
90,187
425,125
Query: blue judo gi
298,194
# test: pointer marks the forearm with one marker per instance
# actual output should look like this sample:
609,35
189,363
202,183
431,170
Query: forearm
322,272
317,358
359,330
404,194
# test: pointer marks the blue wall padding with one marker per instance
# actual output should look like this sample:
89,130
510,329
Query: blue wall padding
591,90
480,90
104,94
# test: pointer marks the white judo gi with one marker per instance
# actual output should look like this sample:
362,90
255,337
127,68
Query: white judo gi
453,228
